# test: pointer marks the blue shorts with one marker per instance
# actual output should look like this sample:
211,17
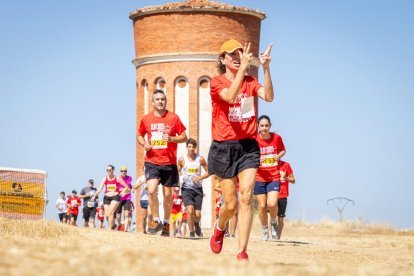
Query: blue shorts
261,188
143,204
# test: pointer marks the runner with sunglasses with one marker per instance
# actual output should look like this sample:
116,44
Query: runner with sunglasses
114,186
234,152
125,203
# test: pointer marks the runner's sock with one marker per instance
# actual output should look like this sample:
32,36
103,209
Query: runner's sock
166,221
273,221
157,219
264,227
218,228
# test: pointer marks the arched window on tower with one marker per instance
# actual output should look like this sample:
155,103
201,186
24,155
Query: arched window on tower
182,107
204,142
204,115
144,92
160,84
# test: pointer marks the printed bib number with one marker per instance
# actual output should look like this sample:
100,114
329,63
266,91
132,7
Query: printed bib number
157,142
192,171
111,187
269,160
91,204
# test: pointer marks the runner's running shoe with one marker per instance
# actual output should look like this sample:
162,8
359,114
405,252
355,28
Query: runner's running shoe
154,227
265,234
165,230
216,240
197,229
242,256
275,234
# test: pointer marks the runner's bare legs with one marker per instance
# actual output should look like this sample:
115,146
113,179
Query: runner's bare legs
247,179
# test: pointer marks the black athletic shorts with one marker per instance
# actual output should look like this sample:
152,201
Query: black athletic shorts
75,217
108,199
227,159
124,203
89,213
281,207
167,174
192,197
62,216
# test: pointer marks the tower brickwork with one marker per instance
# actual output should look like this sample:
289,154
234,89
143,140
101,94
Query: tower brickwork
176,49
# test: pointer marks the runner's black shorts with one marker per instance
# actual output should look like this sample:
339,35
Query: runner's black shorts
227,159
281,207
89,213
192,197
63,216
108,199
124,203
166,174
75,217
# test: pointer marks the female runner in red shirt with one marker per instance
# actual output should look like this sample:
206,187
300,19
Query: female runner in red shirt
112,194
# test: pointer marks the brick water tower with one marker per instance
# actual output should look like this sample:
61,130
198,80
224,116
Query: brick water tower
176,49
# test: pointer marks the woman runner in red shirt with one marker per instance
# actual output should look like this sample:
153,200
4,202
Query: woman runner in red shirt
112,194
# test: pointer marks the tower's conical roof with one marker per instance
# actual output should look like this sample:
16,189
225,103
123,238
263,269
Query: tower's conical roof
195,5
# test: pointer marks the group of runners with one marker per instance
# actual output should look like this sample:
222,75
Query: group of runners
244,157
116,202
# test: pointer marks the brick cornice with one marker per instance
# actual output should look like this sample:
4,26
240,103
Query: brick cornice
174,58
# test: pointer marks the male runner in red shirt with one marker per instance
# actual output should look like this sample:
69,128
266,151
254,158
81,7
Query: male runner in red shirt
164,131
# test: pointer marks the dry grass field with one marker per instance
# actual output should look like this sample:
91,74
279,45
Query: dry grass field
328,248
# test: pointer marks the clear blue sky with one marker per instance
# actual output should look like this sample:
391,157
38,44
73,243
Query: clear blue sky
344,78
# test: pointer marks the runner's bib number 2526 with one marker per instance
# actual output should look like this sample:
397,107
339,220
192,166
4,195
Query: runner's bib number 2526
157,142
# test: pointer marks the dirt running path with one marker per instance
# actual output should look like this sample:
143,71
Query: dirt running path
304,250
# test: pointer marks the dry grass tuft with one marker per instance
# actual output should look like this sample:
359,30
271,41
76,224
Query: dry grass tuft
34,229
362,227
350,227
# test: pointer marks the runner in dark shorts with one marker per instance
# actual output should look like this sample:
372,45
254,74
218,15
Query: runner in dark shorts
115,186
125,203
89,206
190,166
234,152
163,130
62,207
281,210
286,178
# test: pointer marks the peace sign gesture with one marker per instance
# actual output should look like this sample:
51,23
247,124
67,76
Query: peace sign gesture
245,56
265,57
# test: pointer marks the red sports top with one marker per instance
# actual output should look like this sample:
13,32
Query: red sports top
73,204
101,213
237,120
111,185
162,152
268,170
177,202
285,170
